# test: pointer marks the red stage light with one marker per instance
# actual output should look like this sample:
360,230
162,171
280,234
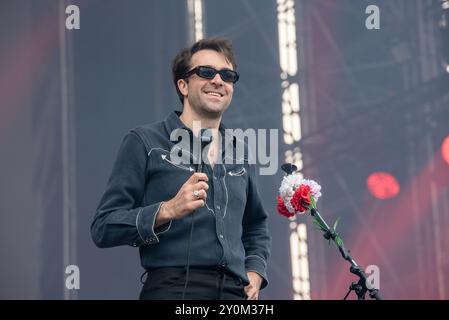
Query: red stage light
382,185
445,149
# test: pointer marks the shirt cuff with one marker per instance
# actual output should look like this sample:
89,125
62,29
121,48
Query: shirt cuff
145,223
257,264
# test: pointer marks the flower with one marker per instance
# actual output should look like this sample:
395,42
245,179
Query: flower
315,188
301,198
297,195
282,209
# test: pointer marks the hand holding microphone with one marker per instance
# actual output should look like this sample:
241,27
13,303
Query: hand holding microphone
192,194
190,197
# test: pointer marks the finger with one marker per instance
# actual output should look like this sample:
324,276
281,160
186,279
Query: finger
200,185
202,194
202,176
198,176
253,295
191,180
198,204
251,292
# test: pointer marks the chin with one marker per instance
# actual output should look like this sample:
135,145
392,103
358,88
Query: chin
213,114
214,110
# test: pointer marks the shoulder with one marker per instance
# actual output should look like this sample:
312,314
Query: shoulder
149,134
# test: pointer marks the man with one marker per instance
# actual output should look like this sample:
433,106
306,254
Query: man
201,235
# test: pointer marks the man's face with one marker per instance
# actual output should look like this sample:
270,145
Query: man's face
212,97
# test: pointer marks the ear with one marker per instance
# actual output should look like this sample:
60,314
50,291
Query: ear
182,86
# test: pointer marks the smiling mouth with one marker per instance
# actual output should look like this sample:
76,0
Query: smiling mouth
213,94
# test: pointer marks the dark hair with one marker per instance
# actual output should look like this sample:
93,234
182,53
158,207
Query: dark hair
181,63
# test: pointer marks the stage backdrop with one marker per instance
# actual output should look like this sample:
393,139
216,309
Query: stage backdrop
370,101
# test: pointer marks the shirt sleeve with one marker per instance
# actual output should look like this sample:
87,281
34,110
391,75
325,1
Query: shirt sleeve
120,219
256,238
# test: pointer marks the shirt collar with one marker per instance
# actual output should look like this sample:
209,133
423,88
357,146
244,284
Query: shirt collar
172,122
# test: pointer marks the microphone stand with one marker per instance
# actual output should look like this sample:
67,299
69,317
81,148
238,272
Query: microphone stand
360,286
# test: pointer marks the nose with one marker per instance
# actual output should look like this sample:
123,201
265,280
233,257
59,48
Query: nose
217,80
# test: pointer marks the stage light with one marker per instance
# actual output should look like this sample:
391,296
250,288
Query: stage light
445,149
445,5
195,9
383,185
444,34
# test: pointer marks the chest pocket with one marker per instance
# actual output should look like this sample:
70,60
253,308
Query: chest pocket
237,172
165,176
236,181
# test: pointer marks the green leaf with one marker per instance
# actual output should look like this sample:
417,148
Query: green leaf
336,223
318,223
313,202
338,240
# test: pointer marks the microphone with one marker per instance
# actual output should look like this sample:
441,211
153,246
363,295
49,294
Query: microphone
205,138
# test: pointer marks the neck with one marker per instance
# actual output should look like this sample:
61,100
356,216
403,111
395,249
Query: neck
188,116
191,120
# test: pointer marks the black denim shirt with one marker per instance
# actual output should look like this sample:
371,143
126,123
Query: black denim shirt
230,232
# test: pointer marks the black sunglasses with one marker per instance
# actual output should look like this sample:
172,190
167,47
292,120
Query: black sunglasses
226,75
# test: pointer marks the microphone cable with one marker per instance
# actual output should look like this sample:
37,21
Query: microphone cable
205,140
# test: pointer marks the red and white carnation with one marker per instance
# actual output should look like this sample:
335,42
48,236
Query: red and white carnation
297,195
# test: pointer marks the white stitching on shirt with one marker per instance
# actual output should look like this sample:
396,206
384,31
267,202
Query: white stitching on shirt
169,223
189,168
253,255
149,152
137,226
226,189
154,220
164,157
241,172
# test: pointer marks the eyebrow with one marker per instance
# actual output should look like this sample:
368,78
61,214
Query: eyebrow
208,65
